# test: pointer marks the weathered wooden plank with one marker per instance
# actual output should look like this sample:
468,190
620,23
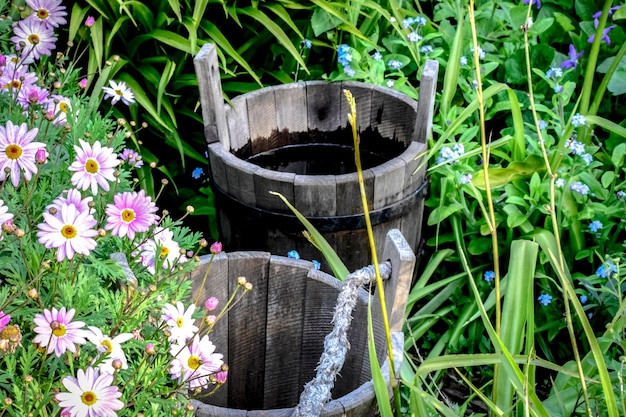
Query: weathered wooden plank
315,195
285,314
246,330
362,94
393,114
261,119
321,298
398,286
291,108
281,182
208,410
276,412
426,102
217,155
356,244
237,119
214,276
349,194
324,106
413,157
388,183
240,176
411,223
211,97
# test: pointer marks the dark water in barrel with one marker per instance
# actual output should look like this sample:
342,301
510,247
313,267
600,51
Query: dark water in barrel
322,153
316,159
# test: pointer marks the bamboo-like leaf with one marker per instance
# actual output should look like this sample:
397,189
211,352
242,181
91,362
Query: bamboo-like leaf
516,308
499,177
143,100
284,15
430,268
339,269
111,34
175,6
171,39
518,148
164,81
77,17
275,30
451,77
97,37
607,124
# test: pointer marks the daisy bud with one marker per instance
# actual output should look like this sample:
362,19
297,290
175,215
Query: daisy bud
57,85
121,121
241,281
189,254
133,123
7,227
150,349
181,251
127,135
54,325
20,233
221,377
211,303
216,248
28,379
248,286
166,212
7,170
203,243
8,401
87,134
90,21
196,258
210,320
152,288
41,156
108,63
70,44
189,407
82,84
4,345
33,293
116,364
52,210
144,124
164,181
190,209
102,232
62,70
116,58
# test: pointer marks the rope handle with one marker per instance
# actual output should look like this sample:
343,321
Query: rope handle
317,392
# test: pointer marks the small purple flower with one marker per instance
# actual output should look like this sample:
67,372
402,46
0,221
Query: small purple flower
211,303
595,225
197,173
544,299
620,194
587,158
394,64
579,187
489,276
605,35
596,16
532,2
90,21
349,71
558,88
574,56
414,37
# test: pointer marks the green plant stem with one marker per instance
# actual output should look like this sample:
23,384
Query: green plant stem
370,234
553,218
485,156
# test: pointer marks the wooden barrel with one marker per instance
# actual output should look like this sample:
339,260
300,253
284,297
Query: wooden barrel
282,138
272,340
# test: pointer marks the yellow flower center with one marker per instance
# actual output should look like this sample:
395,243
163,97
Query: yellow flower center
33,39
68,231
91,166
13,151
164,251
63,107
128,215
180,322
119,93
107,343
193,362
59,331
89,398
42,14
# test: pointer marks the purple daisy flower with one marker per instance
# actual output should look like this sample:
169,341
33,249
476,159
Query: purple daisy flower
17,77
49,12
5,216
94,166
69,231
32,95
56,330
38,38
57,109
574,56
74,197
17,152
90,394
196,362
4,320
131,213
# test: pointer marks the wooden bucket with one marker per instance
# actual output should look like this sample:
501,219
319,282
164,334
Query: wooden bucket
272,340
282,138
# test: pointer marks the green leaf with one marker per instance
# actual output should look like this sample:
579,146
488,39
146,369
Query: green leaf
617,157
339,269
175,6
542,25
607,178
617,84
322,21
499,177
607,124
77,17
172,39
380,388
440,213
564,21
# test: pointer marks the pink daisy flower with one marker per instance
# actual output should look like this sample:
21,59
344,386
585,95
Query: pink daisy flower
69,231
132,158
17,77
4,320
39,39
131,213
195,363
56,330
17,151
163,247
32,95
179,322
90,395
74,197
111,347
57,108
5,216
48,12
94,166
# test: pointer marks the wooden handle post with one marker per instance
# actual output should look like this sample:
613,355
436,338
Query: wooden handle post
426,102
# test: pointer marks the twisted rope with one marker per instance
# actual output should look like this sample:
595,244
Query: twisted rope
317,392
